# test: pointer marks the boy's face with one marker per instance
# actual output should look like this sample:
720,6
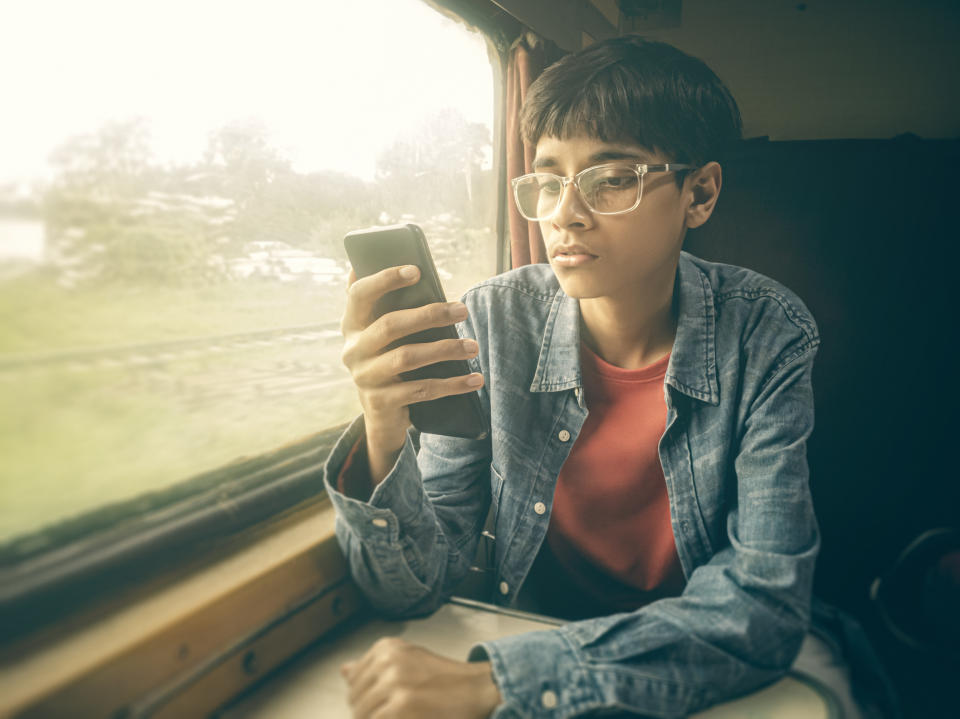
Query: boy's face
614,256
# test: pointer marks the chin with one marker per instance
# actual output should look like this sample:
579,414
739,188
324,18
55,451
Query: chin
580,288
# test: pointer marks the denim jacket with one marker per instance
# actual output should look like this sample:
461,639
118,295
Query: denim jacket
739,413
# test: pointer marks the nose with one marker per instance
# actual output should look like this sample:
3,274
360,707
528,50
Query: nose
572,210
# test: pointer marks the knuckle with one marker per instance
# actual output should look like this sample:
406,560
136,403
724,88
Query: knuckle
353,292
386,643
386,326
391,675
402,358
439,313
420,392
362,378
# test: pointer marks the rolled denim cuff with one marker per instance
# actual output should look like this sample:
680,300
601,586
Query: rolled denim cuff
398,500
539,674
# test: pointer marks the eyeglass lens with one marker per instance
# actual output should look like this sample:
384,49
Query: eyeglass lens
603,188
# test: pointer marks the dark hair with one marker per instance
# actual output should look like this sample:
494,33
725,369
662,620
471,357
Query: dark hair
631,89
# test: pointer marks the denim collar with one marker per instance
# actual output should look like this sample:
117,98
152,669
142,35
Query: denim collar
692,369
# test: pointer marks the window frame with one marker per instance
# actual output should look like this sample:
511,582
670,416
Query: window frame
88,564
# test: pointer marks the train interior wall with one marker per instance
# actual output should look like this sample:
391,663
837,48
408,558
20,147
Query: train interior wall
864,232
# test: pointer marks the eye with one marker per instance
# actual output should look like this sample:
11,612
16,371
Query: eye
549,184
605,180
616,180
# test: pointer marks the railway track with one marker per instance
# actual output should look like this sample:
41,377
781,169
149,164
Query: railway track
156,353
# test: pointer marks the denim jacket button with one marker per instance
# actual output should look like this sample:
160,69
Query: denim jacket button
564,435
379,522
539,508
504,588
548,699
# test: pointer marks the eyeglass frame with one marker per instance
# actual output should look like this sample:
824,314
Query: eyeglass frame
641,168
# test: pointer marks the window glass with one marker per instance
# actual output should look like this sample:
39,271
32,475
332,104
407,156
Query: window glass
175,183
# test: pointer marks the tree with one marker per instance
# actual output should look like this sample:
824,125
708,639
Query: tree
438,168
239,155
321,207
110,165
113,214
98,178
273,202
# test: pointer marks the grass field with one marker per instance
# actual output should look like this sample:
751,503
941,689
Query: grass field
74,436
78,435
38,315
73,440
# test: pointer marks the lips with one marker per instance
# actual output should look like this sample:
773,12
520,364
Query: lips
571,250
572,256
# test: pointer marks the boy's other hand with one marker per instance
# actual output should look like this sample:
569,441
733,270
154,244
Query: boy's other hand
399,680
376,370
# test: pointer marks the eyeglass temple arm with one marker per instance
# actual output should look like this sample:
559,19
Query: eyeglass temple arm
669,167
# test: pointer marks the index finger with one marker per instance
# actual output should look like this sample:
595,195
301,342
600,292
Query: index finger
363,293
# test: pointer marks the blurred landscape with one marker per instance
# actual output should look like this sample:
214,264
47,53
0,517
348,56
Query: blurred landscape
163,320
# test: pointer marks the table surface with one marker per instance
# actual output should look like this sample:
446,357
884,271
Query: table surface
311,685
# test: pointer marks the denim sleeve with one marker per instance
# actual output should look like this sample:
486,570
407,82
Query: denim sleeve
742,617
411,543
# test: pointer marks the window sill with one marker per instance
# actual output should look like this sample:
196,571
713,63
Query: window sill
194,638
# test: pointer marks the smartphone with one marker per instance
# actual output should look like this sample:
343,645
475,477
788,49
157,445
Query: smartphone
377,248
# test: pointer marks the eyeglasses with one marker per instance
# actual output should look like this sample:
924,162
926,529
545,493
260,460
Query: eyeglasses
606,189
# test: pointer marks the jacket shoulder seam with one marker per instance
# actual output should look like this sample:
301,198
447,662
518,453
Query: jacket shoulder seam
788,358
800,319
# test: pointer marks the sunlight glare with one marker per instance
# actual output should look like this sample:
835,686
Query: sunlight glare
332,82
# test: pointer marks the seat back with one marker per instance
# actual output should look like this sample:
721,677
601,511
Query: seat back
865,232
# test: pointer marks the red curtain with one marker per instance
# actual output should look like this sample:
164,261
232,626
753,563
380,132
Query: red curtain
527,60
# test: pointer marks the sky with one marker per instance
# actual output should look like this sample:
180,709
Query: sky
333,82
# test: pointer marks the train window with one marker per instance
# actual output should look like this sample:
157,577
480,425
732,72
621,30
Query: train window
175,185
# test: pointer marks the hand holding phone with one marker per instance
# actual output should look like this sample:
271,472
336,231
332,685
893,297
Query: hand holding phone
403,352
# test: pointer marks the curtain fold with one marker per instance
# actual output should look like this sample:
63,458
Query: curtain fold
527,61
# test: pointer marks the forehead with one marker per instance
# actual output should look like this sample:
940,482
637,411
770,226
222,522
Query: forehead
576,153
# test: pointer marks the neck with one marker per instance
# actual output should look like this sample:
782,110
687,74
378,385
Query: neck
634,331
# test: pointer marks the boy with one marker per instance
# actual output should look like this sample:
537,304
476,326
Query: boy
649,413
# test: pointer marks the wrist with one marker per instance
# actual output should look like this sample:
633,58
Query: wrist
383,449
385,435
489,692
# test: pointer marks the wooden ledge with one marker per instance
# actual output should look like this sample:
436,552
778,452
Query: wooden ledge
198,638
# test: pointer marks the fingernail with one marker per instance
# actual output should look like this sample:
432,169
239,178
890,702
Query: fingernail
458,310
408,272
469,346
474,380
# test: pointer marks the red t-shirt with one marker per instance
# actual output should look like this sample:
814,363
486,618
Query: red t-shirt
610,545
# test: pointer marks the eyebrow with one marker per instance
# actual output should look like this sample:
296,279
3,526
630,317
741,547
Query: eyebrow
597,158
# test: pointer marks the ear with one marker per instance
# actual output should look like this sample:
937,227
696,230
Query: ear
701,189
